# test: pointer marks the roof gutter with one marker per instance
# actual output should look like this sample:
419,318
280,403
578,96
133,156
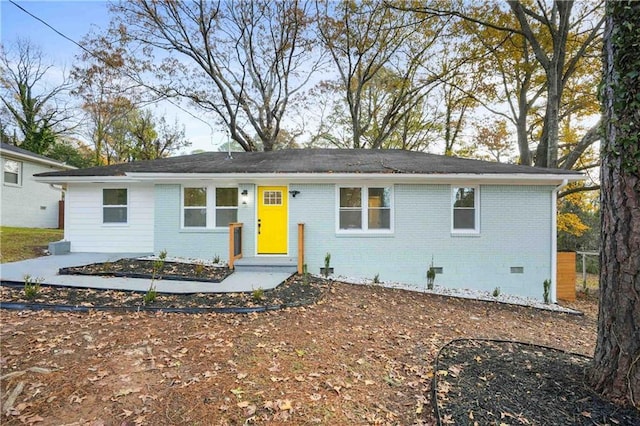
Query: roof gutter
34,159
487,178
554,240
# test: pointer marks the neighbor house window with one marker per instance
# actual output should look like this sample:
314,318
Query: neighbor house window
114,205
12,172
365,208
209,207
465,209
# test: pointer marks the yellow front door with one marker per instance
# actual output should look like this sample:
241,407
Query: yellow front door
272,220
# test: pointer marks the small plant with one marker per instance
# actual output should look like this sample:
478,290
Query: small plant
31,287
199,269
158,264
496,292
327,264
376,279
431,275
258,294
546,287
216,259
150,295
305,274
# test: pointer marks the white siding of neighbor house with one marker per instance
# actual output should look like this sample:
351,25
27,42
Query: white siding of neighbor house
31,204
84,227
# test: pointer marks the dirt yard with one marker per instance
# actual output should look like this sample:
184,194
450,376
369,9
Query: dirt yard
362,355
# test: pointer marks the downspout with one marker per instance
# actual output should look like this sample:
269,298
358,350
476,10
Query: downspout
554,240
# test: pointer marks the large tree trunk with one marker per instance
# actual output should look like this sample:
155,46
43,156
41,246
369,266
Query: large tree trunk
616,365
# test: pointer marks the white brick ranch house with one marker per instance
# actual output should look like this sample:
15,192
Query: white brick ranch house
386,212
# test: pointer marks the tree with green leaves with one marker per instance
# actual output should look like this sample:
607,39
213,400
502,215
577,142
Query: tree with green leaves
139,135
106,93
34,105
71,152
615,372
556,39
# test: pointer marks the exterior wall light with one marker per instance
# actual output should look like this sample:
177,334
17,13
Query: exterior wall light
245,196
294,192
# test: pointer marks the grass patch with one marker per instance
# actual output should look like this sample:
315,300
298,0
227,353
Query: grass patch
25,243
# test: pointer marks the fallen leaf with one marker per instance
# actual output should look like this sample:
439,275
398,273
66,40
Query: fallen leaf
285,405
237,392
125,392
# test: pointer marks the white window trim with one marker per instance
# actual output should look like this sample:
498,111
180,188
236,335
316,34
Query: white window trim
114,205
208,218
20,165
210,206
476,208
365,210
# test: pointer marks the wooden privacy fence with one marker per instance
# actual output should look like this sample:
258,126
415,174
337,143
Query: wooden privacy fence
566,276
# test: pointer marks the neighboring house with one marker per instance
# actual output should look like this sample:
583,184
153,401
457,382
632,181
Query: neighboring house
25,202
386,212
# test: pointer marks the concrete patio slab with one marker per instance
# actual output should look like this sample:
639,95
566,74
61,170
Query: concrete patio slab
46,268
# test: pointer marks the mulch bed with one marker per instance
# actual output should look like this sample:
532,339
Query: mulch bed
295,291
136,268
493,383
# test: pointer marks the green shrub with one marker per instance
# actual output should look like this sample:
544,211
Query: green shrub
199,269
150,295
376,279
546,286
496,292
258,295
327,264
216,259
305,275
31,287
431,275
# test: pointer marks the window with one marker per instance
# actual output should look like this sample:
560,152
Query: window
12,172
272,198
372,215
209,207
195,207
114,205
465,209
226,206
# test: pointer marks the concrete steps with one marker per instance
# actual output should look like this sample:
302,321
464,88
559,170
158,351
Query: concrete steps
267,264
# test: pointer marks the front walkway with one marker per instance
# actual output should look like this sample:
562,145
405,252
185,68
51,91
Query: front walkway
46,268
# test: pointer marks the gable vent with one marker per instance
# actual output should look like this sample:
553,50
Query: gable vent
517,269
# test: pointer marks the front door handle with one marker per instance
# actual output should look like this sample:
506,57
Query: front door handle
259,225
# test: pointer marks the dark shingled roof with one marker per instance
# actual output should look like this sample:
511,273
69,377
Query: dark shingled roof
12,148
313,161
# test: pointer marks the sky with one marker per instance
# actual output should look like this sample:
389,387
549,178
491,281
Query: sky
75,19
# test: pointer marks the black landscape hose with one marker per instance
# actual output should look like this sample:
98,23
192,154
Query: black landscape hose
15,306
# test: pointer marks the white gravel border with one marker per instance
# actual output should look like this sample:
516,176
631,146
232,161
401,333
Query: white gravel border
442,291
460,293
184,260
